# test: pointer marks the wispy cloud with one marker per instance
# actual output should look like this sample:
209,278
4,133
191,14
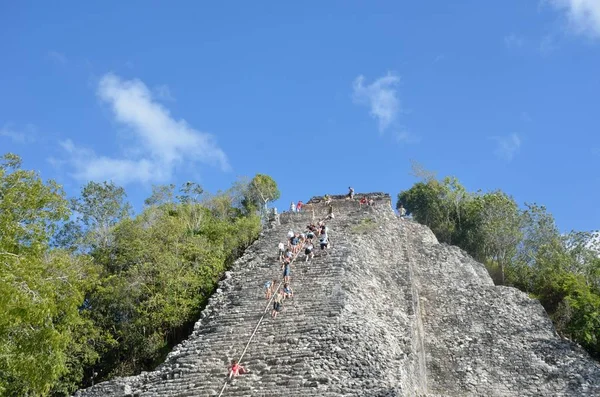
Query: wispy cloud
381,97
89,166
403,136
583,15
513,41
58,57
163,92
161,142
18,135
507,146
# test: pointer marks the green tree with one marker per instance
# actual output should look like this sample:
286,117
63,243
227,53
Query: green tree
524,246
40,290
165,266
500,229
99,208
259,192
221,205
439,205
161,194
190,192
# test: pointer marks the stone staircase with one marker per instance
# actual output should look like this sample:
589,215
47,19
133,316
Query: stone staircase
386,311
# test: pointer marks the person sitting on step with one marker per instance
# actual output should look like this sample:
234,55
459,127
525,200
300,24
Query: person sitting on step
327,199
270,287
401,211
287,291
236,369
363,201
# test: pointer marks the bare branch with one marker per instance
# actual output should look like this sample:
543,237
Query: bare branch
10,254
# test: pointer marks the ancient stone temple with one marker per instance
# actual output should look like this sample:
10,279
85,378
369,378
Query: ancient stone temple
385,311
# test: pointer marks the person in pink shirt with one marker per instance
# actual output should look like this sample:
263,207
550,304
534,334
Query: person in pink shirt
236,369
299,206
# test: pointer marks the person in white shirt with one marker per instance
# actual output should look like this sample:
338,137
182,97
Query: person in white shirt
402,211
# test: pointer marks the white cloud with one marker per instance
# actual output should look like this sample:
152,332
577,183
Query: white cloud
583,15
18,135
381,97
58,57
89,166
507,146
161,142
513,41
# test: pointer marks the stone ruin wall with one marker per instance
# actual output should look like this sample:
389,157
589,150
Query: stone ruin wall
388,311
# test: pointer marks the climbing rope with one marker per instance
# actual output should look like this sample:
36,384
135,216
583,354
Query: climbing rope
256,328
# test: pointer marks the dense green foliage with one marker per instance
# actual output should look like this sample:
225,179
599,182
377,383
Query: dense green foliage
520,247
89,291
40,289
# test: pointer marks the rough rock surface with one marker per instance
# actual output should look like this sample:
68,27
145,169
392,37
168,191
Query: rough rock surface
387,311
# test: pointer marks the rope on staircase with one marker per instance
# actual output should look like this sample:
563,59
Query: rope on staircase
257,325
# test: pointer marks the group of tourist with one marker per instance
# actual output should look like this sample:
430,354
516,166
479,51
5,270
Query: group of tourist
296,207
296,243
327,198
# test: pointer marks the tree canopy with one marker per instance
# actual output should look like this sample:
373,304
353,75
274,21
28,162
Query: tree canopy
521,247
88,290
260,191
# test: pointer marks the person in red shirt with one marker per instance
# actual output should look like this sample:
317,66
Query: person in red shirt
236,369
299,206
363,201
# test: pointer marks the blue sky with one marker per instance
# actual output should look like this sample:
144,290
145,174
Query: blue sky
319,95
